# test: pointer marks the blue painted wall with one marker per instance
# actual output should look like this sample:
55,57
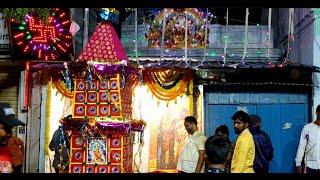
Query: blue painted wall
283,116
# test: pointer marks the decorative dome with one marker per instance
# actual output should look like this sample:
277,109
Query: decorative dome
104,46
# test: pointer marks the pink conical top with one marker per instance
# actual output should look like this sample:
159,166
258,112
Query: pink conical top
104,46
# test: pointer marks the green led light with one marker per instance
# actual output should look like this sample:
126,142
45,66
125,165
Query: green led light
213,53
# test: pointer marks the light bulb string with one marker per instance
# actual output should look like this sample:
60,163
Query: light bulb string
245,36
226,38
269,33
186,39
290,29
163,32
136,36
205,38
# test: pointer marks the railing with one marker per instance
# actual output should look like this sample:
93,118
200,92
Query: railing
256,48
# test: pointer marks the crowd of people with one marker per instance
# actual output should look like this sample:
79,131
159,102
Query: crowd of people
251,152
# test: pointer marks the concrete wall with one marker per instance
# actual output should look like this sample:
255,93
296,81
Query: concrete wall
316,61
301,48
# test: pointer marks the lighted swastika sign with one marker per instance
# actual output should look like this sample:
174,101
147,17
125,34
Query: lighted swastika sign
43,41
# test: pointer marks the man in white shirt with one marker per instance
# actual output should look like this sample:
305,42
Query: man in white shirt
191,159
309,147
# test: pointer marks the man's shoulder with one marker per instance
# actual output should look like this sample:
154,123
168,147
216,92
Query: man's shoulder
246,133
309,125
14,140
199,133
199,136
264,133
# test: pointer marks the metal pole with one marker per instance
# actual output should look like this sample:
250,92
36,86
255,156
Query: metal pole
72,17
85,29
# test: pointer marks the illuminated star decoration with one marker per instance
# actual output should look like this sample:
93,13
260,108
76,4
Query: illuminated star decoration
45,41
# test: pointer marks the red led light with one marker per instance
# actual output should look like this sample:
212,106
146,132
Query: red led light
52,40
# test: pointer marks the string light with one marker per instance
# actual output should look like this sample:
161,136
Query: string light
43,39
163,31
205,39
186,39
269,33
174,31
136,35
226,38
245,36
290,30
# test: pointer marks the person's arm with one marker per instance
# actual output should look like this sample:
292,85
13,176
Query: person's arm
268,147
21,146
301,148
201,150
241,154
52,142
10,169
200,161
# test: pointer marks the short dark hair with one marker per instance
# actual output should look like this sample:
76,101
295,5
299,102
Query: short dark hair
242,116
254,120
190,119
223,129
7,128
217,149
318,108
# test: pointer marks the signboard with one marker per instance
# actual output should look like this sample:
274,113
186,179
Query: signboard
4,36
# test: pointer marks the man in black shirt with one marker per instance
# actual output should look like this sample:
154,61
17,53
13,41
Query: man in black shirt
217,151
60,145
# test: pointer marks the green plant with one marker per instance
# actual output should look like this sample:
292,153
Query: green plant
19,14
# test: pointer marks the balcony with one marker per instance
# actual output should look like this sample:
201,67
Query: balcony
256,48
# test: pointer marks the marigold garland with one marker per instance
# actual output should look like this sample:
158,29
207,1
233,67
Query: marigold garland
191,97
61,87
167,94
47,129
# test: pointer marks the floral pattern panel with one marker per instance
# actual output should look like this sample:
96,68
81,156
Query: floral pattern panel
98,98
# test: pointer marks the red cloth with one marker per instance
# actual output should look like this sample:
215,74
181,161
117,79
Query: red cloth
5,160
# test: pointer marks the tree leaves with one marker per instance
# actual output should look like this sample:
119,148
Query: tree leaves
19,13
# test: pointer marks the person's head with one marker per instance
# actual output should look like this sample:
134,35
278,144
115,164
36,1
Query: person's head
240,121
8,117
318,112
222,130
217,149
190,124
5,133
255,121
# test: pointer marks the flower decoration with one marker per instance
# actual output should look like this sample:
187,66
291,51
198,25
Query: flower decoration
79,141
102,169
115,170
90,169
77,169
77,155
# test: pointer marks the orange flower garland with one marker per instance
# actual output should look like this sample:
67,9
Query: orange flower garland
157,84
63,89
